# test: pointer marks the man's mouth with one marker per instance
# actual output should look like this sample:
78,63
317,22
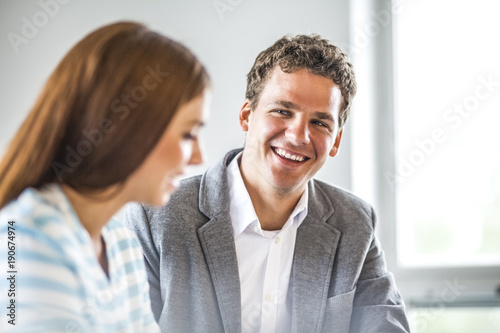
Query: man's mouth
290,156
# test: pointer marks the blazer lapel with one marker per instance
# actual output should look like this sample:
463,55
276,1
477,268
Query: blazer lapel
216,238
314,255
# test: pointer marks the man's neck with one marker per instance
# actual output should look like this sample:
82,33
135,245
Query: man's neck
272,207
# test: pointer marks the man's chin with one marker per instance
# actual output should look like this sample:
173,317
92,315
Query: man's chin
284,187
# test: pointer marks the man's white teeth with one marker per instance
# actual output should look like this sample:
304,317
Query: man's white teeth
286,155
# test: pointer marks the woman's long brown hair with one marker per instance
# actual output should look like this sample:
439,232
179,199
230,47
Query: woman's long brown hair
102,111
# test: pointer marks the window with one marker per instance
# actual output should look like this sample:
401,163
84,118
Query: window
447,156
447,163
425,152
439,320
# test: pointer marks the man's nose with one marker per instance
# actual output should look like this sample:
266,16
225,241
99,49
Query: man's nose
298,131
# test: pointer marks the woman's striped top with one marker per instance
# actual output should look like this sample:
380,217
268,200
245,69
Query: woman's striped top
58,284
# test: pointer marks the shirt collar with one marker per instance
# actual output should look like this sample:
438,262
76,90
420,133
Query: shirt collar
300,211
241,209
54,194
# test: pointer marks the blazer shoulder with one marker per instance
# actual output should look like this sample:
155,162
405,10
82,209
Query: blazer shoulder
188,188
342,199
183,202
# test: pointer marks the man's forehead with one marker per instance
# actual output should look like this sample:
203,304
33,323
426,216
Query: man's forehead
291,89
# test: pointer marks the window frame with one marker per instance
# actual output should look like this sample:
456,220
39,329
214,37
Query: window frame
373,157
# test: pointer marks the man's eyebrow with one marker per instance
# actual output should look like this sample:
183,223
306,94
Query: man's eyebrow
285,104
324,116
289,105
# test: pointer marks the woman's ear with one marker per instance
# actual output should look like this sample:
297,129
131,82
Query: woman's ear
244,116
336,145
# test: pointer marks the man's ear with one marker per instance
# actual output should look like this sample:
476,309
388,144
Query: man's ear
335,148
245,115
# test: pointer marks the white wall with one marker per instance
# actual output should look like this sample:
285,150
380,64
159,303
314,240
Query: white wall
227,43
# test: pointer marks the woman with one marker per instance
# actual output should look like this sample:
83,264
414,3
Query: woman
117,121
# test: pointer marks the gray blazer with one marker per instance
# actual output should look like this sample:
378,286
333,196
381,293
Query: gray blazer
339,282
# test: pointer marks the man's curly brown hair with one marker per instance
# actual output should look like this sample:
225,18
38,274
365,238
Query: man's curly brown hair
310,52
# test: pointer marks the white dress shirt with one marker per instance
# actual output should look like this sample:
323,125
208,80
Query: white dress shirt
264,260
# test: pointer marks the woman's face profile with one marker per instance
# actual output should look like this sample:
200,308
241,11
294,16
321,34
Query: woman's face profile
179,146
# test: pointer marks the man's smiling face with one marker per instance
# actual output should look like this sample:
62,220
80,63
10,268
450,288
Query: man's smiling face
291,131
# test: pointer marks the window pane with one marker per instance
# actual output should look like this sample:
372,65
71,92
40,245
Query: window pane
456,320
448,143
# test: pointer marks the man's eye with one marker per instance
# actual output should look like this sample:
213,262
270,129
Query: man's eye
320,123
283,112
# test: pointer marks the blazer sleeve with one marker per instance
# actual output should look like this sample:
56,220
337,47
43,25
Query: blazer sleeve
378,306
138,221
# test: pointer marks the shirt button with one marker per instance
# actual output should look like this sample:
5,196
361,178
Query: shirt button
276,240
269,298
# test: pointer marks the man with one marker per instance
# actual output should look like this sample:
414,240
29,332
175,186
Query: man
255,244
